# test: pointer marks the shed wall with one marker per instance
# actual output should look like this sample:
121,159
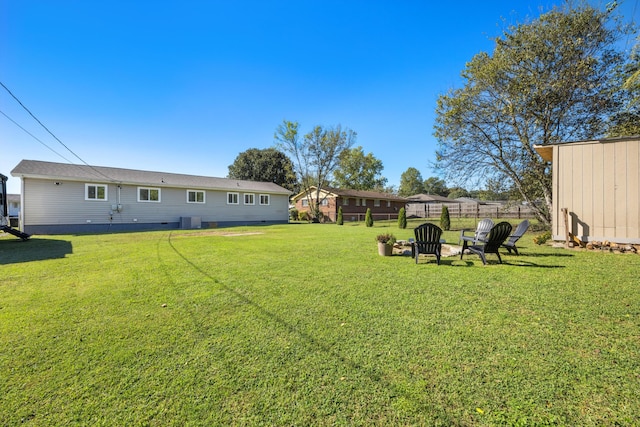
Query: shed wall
599,184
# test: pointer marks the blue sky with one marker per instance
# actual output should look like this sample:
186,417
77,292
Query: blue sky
185,86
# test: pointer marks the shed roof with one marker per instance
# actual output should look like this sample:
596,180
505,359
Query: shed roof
546,151
66,171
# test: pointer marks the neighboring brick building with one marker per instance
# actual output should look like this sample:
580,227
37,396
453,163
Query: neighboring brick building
354,204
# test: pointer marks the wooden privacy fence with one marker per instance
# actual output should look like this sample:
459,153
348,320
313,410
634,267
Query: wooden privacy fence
469,210
433,210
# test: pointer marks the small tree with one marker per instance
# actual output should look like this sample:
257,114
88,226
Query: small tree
368,219
445,221
340,220
315,157
402,218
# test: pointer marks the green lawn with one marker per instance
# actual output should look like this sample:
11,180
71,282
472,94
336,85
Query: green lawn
305,324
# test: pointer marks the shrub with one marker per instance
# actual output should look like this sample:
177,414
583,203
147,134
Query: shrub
340,220
445,221
293,214
402,218
541,239
386,238
368,219
303,216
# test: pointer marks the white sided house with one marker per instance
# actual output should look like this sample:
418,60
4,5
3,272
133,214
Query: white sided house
59,198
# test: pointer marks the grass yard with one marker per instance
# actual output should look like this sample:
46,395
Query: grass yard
305,324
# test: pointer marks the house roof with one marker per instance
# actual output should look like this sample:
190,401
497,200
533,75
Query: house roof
102,174
356,193
424,198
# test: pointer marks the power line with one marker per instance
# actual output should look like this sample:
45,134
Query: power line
51,133
33,136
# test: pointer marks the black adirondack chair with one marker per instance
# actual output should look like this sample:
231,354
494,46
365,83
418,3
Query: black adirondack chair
495,239
510,244
427,241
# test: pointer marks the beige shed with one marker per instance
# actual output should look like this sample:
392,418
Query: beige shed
598,182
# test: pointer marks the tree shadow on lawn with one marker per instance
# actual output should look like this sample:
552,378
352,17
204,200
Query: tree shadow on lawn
539,255
495,262
531,264
16,251
370,373
444,262
457,262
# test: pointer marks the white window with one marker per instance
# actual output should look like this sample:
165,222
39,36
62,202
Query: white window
324,202
305,202
376,203
146,194
357,202
249,199
95,192
233,198
264,199
388,203
195,196
363,202
345,201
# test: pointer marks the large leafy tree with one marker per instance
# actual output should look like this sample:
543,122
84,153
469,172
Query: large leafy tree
357,171
457,192
548,81
410,183
315,156
632,82
266,165
433,185
627,121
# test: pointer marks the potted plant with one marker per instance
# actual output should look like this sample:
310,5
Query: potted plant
385,243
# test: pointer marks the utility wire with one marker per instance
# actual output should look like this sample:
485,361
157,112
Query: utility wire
33,136
51,133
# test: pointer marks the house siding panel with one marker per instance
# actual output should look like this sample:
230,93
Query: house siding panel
619,190
633,189
577,168
608,196
582,229
598,207
556,230
48,204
